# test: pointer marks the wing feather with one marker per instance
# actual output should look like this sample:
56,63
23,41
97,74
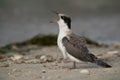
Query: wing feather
76,47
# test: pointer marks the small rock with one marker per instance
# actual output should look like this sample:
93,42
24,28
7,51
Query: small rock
43,71
14,70
46,58
112,52
44,66
43,58
49,58
33,61
19,61
9,73
85,71
16,57
2,58
26,58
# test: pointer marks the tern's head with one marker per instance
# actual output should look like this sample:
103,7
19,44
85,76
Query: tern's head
63,20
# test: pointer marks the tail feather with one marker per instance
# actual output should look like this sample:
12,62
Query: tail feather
92,58
101,63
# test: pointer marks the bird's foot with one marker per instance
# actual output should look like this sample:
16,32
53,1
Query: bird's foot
74,65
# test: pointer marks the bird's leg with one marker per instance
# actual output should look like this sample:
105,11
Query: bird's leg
74,65
65,60
62,63
61,67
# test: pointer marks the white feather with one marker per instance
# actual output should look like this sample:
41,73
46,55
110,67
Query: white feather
64,31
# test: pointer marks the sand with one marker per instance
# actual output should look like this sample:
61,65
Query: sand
52,70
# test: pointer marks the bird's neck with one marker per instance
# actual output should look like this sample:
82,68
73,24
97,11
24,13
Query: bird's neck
64,30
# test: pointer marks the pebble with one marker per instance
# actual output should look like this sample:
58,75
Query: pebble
9,73
112,52
49,58
16,57
2,58
33,61
85,71
43,71
26,58
46,58
44,66
16,70
43,58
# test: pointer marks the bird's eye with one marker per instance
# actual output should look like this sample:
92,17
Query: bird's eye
62,17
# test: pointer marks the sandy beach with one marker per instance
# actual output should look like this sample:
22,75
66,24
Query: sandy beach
45,64
28,39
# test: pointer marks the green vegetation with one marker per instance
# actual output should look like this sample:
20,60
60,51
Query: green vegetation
39,40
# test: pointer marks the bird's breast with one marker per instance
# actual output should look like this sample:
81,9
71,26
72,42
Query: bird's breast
61,46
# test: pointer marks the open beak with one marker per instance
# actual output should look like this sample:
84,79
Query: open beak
54,21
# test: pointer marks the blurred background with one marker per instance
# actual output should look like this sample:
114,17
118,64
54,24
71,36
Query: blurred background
22,19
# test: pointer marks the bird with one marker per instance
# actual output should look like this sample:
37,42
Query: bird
72,46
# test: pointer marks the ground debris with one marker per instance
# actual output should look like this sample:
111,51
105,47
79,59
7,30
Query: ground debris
38,59
46,58
12,76
3,58
32,61
116,44
43,71
59,60
16,57
85,71
110,54
113,52
4,64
